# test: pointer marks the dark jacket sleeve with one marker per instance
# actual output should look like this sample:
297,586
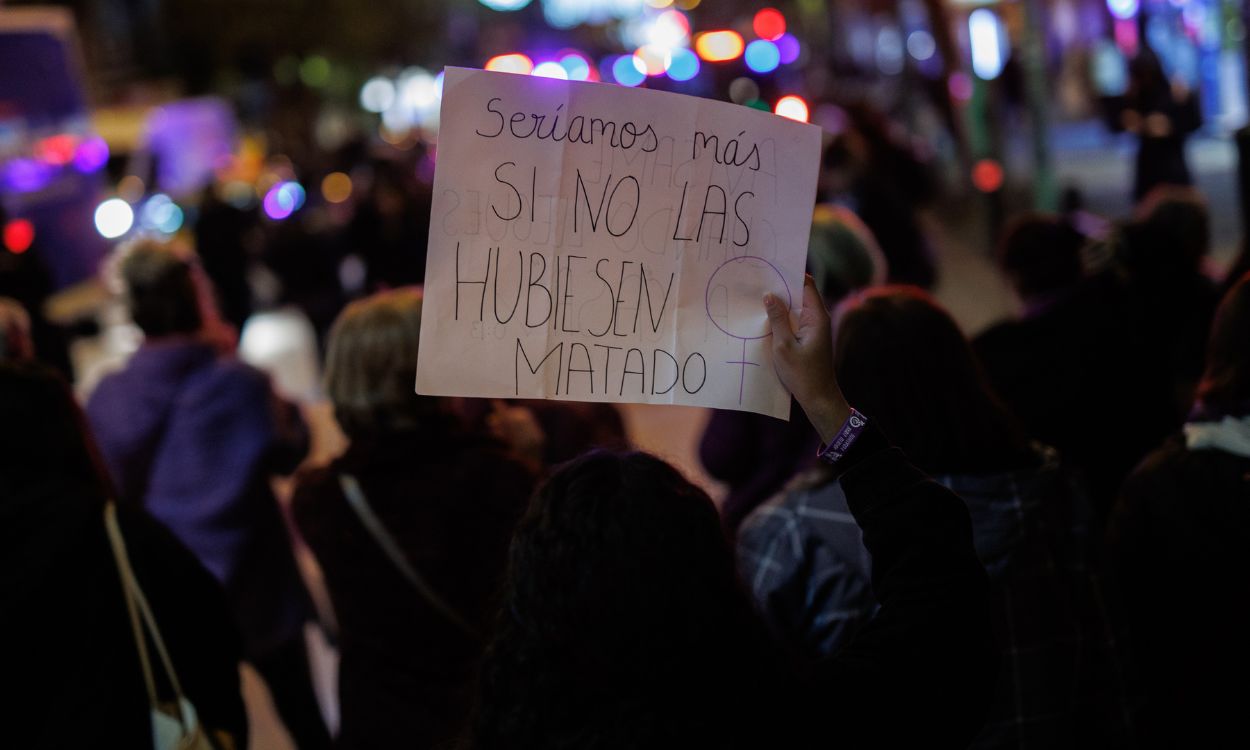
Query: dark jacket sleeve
921,673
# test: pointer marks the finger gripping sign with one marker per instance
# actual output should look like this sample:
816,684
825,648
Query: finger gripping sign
591,242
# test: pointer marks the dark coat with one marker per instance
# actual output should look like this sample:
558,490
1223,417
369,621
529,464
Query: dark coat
1180,554
70,653
451,502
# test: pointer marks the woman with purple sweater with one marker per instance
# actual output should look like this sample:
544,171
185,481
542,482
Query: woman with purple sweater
193,437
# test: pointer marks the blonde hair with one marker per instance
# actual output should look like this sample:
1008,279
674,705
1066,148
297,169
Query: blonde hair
371,365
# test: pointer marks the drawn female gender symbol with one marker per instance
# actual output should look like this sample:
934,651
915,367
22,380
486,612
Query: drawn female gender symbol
744,274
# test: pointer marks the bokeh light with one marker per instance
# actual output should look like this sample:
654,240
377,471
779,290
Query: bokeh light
985,37
505,5
1124,9
718,46
921,45
511,63
377,95
336,187
283,199
314,71
671,29
769,24
762,56
654,59
551,69
161,214
92,154
113,218
57,150
789,48
684,65
19,235
793,107
577,67
960,85
987,176
627,70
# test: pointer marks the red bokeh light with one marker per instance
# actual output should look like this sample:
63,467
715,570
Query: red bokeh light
987,176
19,234
56,149
769,24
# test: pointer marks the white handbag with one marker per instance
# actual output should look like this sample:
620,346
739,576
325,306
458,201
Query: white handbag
175,726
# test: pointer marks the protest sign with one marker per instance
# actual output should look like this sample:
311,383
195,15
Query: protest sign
592,242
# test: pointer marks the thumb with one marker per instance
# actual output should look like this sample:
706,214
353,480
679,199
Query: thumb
779,317
814,309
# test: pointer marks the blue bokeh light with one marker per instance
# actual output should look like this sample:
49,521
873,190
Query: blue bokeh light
762,56
684,65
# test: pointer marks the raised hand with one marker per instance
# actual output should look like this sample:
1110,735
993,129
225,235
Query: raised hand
803,359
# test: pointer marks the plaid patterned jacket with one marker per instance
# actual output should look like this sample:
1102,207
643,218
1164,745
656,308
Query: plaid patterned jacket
803,557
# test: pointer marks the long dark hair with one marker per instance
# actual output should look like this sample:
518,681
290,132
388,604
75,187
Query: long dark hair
902,361
1225,385
623,623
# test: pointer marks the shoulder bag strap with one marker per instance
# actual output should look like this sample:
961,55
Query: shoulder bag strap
356,499
138,606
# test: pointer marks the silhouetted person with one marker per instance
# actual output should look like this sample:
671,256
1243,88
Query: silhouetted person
71,653
1078,369
193,437
412,629
902,359
624,625
1180,551
884,182
1162,114
1161,253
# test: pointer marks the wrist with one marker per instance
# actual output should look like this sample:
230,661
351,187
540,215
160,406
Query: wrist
827,413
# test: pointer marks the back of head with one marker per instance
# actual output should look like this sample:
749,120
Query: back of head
43,435
1169,236
159,289
371,365
1225,385
622,621
1041,254
901,360
842,254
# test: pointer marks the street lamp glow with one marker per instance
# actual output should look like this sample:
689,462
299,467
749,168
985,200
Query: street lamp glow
985,38
113,218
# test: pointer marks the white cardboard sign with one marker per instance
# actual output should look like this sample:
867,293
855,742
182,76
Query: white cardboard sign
591,242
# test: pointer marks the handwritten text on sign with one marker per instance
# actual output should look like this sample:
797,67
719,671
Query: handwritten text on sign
597,243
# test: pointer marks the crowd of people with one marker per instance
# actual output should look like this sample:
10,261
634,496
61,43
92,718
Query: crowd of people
1033,538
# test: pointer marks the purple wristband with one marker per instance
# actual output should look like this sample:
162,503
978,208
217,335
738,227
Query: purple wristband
845,437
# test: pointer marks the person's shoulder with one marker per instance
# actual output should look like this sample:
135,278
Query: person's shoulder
811,498
1157,469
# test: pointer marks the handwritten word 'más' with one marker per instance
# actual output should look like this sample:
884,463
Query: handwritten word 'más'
733,152
558,126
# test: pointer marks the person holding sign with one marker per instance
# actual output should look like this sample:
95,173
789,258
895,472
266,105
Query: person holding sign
624,625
